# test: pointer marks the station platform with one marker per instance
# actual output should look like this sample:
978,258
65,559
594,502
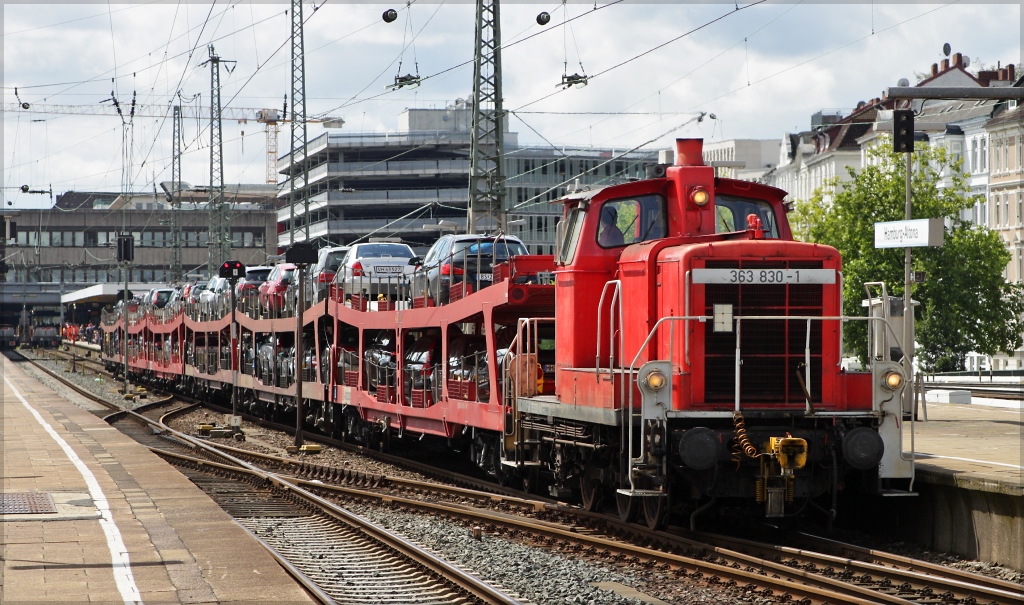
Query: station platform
976,445
970,480
89,515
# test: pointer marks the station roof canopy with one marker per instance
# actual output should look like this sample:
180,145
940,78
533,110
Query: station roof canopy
105,293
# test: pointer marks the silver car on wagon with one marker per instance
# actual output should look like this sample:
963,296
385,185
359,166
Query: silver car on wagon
376,268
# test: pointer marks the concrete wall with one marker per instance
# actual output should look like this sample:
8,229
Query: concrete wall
983,525
972,518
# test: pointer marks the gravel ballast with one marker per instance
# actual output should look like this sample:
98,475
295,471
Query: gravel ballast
537,575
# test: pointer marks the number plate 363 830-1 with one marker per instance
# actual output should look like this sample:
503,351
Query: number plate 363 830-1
763,276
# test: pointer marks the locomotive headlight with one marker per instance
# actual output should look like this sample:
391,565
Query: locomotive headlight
655,380
699,196
892,380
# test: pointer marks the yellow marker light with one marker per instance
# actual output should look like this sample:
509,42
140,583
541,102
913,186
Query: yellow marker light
699,196
892,380
655,380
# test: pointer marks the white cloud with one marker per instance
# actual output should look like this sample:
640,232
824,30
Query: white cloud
797,59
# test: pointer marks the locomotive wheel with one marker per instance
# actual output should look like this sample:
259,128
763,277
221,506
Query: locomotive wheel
501,474
531,480
627,506
591,493
656,511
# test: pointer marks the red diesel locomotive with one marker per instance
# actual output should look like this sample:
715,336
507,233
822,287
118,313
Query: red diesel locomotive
680,350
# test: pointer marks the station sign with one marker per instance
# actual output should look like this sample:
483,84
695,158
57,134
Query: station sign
910,234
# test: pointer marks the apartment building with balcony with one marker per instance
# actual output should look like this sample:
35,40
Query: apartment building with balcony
1006,183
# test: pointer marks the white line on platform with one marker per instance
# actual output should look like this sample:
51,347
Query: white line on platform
921,455
121,565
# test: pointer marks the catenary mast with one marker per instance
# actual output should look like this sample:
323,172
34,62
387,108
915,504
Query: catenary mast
487,168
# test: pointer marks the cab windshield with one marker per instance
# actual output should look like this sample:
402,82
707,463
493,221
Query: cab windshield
731,214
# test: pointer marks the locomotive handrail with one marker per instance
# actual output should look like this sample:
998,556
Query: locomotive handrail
627,411
510,391
616,293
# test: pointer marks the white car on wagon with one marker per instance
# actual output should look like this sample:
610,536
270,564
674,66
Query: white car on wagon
376,268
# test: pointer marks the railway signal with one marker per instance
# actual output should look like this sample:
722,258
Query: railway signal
232,269
125,248
302,254
903,130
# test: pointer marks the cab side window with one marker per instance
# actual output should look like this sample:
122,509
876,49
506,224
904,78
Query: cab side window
629,221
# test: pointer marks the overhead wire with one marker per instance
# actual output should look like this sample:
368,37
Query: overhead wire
385,70
32,29
101,77
649,51
834,50
532,201
697,68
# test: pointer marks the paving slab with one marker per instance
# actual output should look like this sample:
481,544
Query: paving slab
154,511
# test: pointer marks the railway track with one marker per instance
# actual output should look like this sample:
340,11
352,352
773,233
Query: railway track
852,575
908,579
832,572
314,538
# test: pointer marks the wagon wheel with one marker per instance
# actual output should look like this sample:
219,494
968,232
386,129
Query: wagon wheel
656,511
627,506
383,441
352,422
591,492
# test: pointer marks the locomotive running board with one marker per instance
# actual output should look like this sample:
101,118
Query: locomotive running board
515,464
890,493
641,493
546,405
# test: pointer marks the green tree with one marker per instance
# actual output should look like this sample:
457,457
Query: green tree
966,305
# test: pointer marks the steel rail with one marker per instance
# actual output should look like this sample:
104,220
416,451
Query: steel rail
964,581
816,587
304,467
474,586
965,587
882,558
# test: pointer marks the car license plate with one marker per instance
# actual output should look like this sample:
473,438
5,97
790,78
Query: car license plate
387,269
486,277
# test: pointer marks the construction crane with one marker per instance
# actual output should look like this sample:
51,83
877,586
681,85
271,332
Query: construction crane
271,117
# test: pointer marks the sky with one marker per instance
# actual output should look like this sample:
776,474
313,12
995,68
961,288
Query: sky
761,69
